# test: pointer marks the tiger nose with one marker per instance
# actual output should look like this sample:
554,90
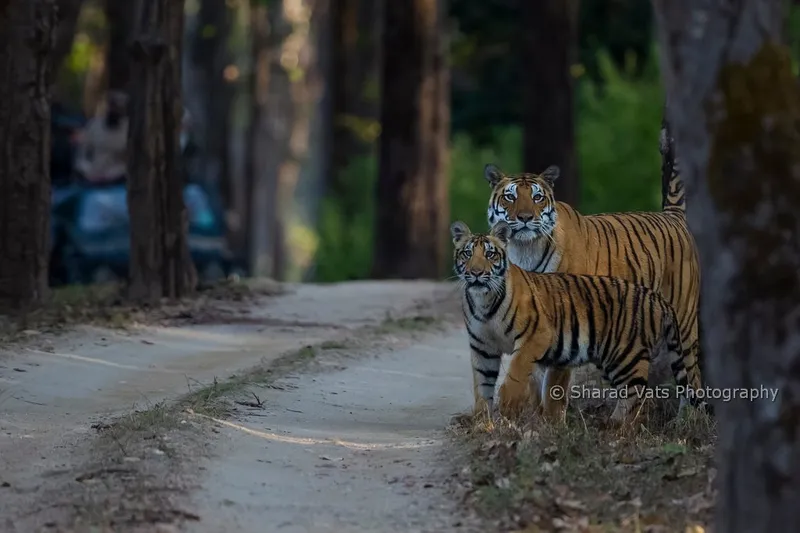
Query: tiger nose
525,217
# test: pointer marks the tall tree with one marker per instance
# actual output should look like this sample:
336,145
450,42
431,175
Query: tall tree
27,34
160,264
550,44
412,203
121,17
68,13
355,81
212,95
284,89
734,106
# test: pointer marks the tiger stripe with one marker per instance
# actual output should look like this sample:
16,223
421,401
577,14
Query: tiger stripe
654,249
559,321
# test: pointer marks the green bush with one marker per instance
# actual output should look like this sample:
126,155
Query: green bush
619,165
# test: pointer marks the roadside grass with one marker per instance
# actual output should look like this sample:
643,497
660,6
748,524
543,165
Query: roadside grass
587,476
106,305
221,397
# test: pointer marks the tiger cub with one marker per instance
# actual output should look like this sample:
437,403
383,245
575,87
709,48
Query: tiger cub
559,320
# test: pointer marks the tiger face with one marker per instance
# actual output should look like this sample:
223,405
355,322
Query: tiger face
480,260
524,201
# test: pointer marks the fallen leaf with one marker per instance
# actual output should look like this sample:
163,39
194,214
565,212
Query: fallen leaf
502,483
571,505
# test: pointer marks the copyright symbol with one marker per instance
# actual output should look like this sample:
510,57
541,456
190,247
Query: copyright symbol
557,392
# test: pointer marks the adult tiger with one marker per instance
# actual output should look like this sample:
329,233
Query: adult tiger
654,249
560,320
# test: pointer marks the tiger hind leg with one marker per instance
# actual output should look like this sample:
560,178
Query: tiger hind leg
630,390
554,394
686,370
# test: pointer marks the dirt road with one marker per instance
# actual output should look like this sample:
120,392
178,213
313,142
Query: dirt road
353,450
356,448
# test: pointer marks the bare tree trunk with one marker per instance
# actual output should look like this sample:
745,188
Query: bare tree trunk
412,217
550,42
734,107
68,12
356,66
121,15
261,186
160,264
283,94
27,34
208,57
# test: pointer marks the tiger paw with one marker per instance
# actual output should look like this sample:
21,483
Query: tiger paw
554,412
513,400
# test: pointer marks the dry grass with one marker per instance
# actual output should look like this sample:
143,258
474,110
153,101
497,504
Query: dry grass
106,305
585,475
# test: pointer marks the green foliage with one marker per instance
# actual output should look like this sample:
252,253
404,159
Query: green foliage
346,226
617,137
619,164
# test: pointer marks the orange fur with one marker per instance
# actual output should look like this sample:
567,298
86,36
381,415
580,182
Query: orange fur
654,249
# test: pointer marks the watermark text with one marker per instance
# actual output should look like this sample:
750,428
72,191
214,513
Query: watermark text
588,392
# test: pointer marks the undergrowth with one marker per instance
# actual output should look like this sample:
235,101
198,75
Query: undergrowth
585,475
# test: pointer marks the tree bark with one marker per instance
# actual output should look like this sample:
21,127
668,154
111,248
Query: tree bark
285,90
208,57
734,109
412,203
121,16
550,43
27,34
160,264
68,13
356,69
260,188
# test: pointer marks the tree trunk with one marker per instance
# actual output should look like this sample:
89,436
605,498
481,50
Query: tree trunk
160,264
734,107
284,91
356,69
208,56
550,43
68,13
27,34
412,211
260,188
120,15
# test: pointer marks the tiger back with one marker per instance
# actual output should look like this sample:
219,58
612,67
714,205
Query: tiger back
653,249
560,321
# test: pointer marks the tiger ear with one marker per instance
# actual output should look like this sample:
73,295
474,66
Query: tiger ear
551,174
502,231
493,174
459,230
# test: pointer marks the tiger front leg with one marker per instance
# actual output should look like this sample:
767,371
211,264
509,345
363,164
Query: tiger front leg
515,392
485,369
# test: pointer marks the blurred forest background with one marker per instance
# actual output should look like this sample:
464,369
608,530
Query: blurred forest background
291,99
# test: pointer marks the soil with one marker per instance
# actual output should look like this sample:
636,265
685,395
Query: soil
355,443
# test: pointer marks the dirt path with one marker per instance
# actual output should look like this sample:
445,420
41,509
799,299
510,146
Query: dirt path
387,413
352,450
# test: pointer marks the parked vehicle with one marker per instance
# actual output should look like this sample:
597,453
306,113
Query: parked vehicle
94,239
